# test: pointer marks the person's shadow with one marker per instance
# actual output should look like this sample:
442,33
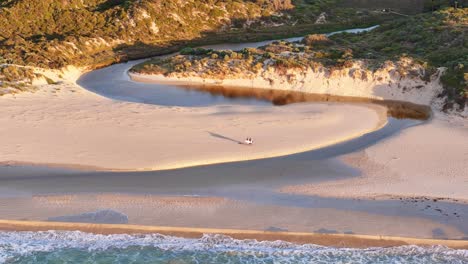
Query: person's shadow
224,137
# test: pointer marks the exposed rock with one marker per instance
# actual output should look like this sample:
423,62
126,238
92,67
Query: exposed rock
322,18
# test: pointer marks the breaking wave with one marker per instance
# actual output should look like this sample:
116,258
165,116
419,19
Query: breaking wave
79,247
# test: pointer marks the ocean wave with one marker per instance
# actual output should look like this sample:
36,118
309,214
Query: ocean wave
80,247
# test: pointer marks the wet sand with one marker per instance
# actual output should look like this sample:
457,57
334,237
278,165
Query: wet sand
335,240
220,197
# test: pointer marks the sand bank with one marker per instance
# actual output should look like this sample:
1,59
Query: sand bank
426,161
336,240
66,125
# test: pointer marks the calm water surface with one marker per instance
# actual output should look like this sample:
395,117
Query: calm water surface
114,82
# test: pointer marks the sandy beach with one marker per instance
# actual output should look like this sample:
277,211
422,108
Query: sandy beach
401,179
423,162
65,125
429,160
273,131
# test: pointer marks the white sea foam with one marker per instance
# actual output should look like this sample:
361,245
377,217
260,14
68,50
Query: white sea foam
14,245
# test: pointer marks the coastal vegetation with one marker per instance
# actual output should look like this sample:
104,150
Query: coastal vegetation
416,45
15,79
438,39
53,34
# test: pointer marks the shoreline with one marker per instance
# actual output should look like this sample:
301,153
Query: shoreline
99,112
334,240
95,110
395,108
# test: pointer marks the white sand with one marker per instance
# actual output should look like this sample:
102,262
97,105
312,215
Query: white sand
67,125
428,160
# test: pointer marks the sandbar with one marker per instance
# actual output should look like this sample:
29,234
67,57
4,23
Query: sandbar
66,125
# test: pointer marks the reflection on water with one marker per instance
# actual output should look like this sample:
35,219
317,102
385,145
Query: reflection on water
114,82
396,109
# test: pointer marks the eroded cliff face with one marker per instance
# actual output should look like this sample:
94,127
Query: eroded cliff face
404,80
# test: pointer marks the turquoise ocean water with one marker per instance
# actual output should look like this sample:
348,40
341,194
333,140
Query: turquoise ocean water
79,247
